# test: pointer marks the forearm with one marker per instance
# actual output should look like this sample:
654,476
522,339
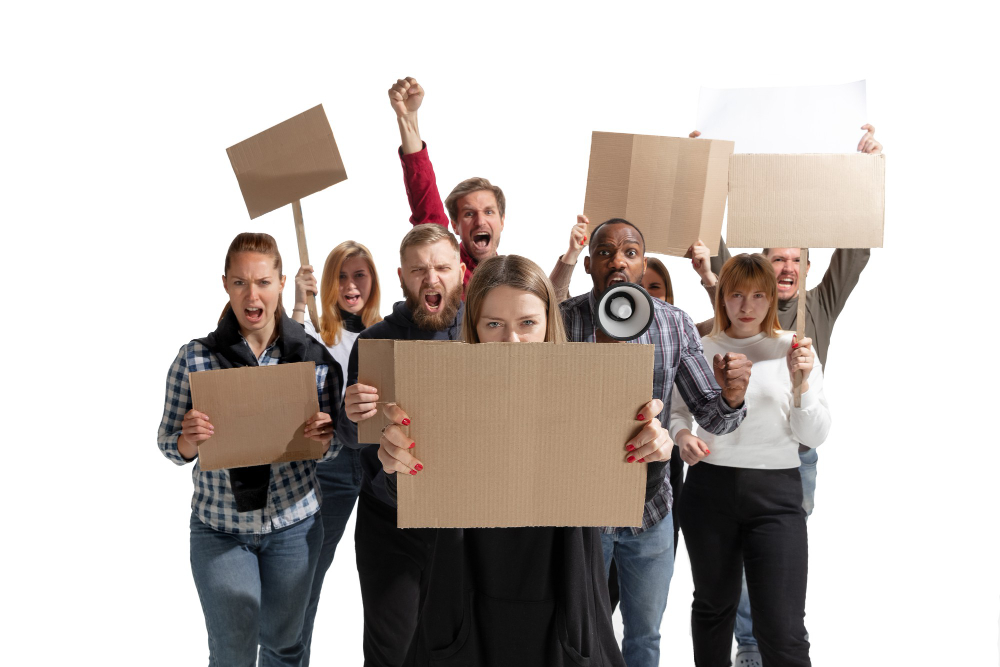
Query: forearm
409,134
299,312
560,277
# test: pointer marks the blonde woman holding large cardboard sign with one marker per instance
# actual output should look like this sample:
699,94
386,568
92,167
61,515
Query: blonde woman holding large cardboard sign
255,537
505,596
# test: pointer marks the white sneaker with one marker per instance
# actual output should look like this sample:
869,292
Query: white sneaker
748,656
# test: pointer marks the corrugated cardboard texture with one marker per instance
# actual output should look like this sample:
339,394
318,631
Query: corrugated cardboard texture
290,161
521,434
806,201
376,368
673,189
259,414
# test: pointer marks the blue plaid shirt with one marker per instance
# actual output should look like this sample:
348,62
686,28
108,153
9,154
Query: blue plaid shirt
677,358
294,494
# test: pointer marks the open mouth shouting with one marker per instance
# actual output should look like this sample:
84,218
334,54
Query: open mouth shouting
254,315
786,282
432,301
616,278
352,299
481,240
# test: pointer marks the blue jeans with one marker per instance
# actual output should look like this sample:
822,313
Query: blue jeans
340,481
807,469
645,566
254,589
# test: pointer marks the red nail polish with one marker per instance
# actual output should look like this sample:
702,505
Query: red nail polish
707,452
412,445
630,448
642,460
413,472
639,417
584,239
630,459
406,421
419,466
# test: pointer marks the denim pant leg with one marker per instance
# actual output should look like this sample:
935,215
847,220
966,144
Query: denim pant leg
340,481
227,577
645,565
807,469
287,560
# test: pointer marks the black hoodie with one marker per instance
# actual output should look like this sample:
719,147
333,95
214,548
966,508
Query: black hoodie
397,326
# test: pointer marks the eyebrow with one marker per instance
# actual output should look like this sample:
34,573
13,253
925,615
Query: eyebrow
536,316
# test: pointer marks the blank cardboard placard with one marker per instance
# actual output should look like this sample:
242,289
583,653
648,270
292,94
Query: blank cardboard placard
790,119
515,434
806,201
672,189
259,414
287,162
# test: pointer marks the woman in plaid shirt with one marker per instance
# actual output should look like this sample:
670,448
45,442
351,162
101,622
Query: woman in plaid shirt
255,538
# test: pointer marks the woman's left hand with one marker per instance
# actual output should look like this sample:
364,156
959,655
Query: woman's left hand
319,427
801,358
653,442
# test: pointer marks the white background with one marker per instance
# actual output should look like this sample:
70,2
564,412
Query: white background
119,203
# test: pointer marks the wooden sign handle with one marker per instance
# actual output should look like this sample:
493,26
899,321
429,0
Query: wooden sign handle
800,322
300,236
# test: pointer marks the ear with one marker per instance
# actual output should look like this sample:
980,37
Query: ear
461,270
399,272
586,263
644,265
282,283
224,285
454,226
502,218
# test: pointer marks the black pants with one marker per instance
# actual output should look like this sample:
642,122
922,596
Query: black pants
735,518
392,567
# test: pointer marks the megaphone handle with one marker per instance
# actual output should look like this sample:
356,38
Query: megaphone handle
300,236
800,323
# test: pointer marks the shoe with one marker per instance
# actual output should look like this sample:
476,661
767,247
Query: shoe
748,656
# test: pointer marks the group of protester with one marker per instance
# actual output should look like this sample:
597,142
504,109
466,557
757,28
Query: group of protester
263,538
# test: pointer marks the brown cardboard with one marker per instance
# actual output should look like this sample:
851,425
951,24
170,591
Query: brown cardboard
806,201
259,414
287,162
514,434
672,189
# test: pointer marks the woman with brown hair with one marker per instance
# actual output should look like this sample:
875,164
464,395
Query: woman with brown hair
255,537
349,298
656,280
515,596
742,504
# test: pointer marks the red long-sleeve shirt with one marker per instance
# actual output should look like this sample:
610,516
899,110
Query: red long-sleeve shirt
425,200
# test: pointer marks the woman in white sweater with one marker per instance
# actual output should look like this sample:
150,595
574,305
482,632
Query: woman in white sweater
742,503
349,302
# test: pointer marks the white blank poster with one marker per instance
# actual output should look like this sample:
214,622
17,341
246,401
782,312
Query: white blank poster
795,119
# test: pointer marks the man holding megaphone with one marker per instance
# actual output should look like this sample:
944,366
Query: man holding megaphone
613,310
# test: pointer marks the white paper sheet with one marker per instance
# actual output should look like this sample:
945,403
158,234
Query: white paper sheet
796,119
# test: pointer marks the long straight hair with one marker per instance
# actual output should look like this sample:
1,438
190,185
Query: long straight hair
517,272
747,273
331,322
263,244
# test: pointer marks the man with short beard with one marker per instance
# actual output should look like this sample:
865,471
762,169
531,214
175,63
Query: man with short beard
391,562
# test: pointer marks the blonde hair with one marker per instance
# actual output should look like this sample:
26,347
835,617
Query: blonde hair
517,272
657,265
467,187
747,273
425,235
331,322
263,244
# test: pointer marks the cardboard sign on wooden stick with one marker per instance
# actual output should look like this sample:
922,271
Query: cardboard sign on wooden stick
285,163
514,434
806,201
672,189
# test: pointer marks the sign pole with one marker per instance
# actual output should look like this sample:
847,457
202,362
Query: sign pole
300,236
800,321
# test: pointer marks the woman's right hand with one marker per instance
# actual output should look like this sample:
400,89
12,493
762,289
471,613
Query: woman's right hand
195,428
692,449
577,239
305,284
701,262
360,402
394,446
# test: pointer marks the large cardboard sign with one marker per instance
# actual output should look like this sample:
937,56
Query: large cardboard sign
287,162
514,434
672,189
790,119
259,414
806,201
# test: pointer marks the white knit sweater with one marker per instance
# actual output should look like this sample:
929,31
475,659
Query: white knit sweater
770,434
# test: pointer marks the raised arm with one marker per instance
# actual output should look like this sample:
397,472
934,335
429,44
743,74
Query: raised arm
563,271
405,97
